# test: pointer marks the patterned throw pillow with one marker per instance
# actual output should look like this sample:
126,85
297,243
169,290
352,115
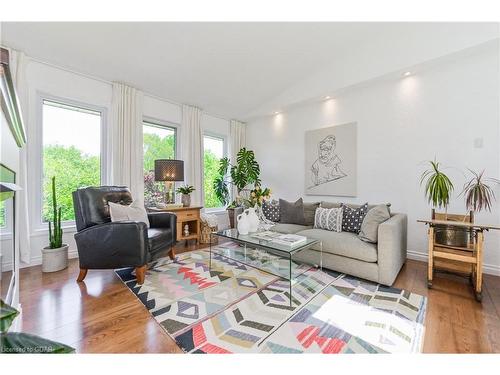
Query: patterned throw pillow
353,217
271,210
329,219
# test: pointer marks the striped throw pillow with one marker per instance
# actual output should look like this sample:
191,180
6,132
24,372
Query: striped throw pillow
329,219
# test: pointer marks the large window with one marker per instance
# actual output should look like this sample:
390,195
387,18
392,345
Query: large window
71,153
158,143
214,148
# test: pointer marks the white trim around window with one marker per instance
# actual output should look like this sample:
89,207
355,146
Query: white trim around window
35,157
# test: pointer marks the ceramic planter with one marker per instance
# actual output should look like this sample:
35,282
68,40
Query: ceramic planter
186,200
54,259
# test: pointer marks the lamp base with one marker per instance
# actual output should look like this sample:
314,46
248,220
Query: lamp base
170,194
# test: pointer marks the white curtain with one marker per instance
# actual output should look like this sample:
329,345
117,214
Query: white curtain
125,140
18,62
237,140
192,151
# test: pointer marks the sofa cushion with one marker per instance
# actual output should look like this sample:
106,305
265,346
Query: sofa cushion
159,238
271,210
309,212
344,243
329,219
353,217
374,217
325,204
292,212
289,228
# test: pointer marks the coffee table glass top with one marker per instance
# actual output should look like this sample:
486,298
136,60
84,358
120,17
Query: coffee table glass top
234,235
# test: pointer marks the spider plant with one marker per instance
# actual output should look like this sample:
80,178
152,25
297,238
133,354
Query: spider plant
438,187
477,193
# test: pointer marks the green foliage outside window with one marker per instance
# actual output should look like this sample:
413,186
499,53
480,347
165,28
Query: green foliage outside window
211,169
155,147
73,169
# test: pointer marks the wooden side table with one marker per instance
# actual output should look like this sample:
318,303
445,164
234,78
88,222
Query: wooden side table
451,257
189,216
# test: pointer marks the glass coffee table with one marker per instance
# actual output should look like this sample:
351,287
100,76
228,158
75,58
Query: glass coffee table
248,257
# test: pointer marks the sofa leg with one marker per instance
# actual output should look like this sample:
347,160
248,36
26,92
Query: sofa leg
171,253
140,273
82,274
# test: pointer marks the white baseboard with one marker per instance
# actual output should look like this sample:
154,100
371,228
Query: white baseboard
37,260
489,269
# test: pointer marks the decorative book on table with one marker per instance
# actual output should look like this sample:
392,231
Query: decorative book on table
290,240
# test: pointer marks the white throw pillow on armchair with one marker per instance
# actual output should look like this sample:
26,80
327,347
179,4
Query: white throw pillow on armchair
134,212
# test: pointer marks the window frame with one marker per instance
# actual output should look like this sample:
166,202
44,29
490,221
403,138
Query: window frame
162,124
6,231
224,138
37,188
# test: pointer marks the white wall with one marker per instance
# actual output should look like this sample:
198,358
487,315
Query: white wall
438,112
56,82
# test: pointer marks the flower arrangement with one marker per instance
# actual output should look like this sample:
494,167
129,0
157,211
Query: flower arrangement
258,196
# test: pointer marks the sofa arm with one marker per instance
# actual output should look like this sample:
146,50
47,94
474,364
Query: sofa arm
392,244
113,245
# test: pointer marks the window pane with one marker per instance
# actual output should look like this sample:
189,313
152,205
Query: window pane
71,153
214,151
3,219
158,143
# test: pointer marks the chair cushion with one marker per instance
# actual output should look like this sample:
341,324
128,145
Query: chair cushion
343,243
289,228
159,238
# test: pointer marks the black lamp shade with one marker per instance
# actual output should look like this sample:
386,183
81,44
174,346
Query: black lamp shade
169,170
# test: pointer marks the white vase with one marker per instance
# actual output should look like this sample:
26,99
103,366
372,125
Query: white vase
54,260
253,219
243,223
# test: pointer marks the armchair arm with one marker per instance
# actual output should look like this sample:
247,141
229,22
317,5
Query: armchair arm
392,245
163,220
112,245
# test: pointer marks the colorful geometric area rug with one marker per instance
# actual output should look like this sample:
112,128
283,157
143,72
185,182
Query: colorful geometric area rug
231,307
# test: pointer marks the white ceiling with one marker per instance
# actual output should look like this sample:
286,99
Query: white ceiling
228,69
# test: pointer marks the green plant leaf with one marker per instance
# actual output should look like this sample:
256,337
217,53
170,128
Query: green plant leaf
7,316
30,344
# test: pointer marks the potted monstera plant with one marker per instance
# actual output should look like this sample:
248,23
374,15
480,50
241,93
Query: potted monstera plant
241,173
55,255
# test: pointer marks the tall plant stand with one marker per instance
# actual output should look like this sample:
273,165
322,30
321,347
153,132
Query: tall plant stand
466,260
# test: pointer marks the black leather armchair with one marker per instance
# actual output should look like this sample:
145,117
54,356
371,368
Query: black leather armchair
103,244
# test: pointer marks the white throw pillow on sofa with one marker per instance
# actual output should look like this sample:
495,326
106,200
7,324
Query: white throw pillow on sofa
134,212
328,218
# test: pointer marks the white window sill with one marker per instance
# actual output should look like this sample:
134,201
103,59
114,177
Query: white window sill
69,228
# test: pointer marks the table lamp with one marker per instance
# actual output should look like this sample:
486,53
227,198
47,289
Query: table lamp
169,170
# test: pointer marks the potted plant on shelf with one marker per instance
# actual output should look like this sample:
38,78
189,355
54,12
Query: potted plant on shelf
245,171
477,193
55,256
186,194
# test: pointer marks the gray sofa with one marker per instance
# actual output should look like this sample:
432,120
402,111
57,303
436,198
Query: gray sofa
345,252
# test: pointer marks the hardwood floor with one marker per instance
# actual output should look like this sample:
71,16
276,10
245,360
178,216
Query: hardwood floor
102,316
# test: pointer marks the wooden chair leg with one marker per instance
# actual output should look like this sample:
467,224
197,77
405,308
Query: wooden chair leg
171,253
81,275
430,265
140,273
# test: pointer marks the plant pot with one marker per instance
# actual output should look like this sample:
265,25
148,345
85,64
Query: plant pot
233,213
452,236
54,260
186,200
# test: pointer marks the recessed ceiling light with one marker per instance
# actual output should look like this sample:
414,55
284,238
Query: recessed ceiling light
276,113
328,97
406,74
